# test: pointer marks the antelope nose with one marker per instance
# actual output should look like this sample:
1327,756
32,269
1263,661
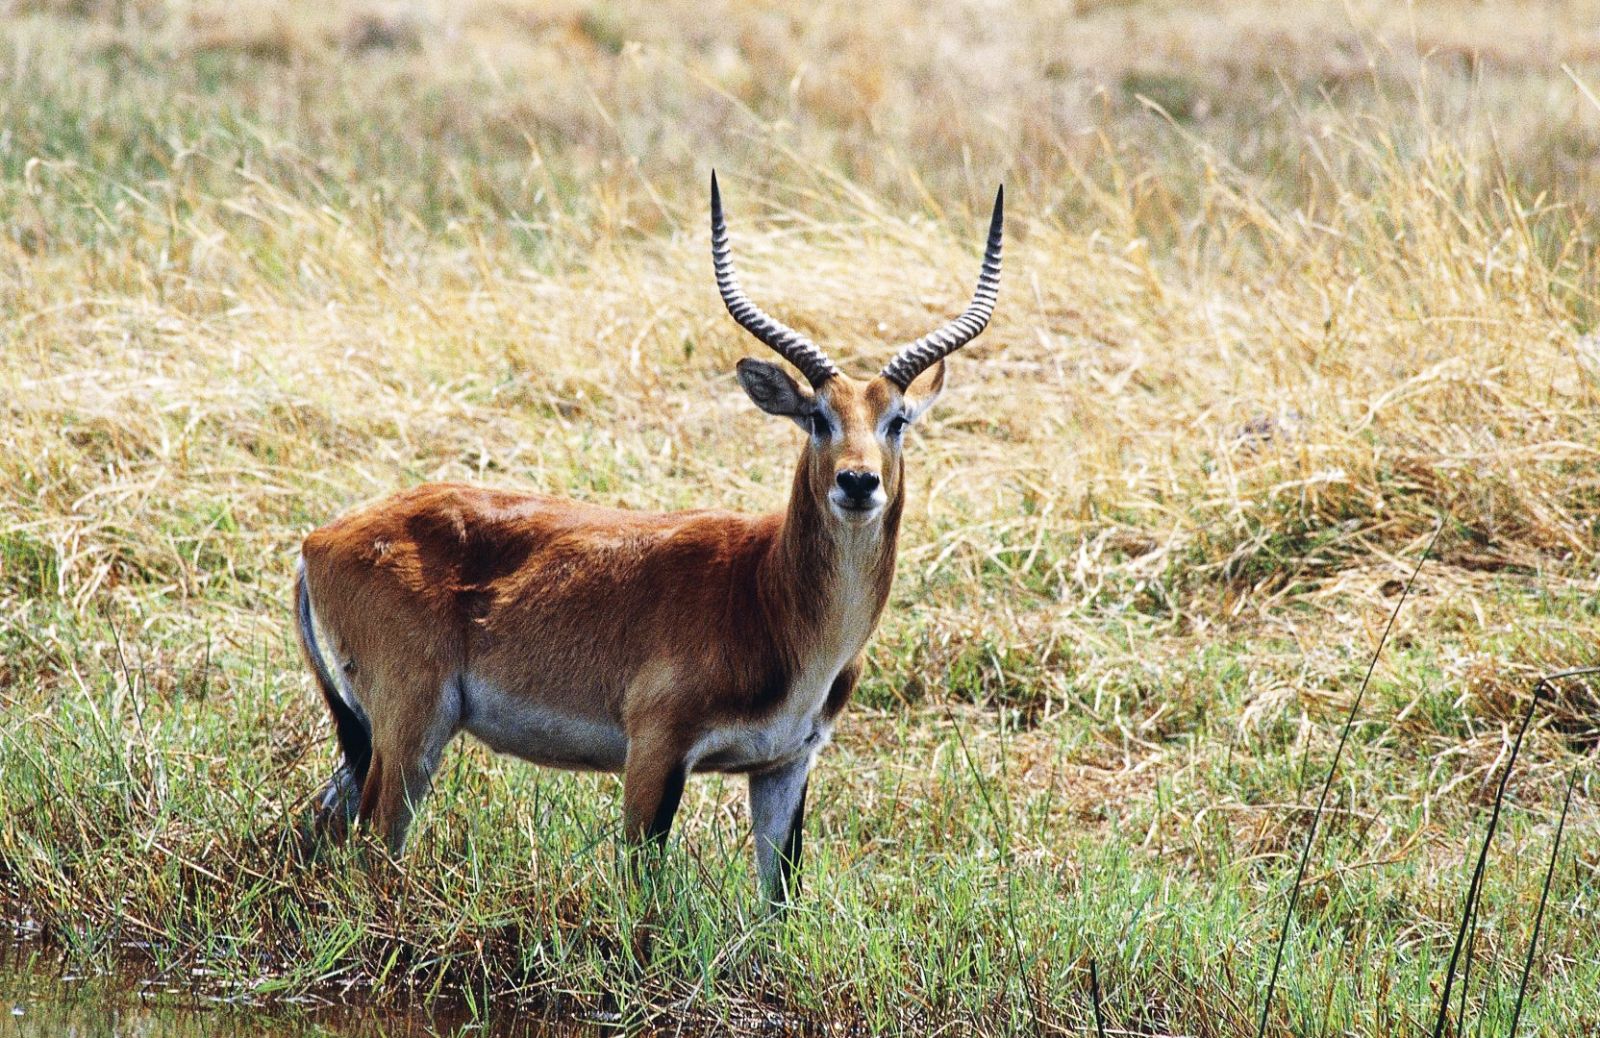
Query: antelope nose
858,485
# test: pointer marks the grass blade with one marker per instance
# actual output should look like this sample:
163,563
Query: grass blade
1544,895
1094,998
1002,831
1327,785
1475,887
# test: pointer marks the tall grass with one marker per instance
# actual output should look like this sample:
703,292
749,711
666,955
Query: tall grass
1283,290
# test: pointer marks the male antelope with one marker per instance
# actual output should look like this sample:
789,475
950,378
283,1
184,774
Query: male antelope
596,638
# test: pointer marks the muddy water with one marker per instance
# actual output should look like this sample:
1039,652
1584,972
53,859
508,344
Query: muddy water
39,1000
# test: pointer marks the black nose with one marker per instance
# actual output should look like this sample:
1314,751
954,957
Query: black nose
858,485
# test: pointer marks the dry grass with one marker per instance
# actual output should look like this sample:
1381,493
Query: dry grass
1284,288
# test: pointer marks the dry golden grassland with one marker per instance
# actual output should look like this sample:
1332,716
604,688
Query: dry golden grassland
1286,287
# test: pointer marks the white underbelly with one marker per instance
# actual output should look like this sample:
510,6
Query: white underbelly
755,746
534,732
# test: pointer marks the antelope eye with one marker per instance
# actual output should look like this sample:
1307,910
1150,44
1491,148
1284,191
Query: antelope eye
897,425
819,424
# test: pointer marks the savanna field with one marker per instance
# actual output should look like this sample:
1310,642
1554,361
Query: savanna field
1287,289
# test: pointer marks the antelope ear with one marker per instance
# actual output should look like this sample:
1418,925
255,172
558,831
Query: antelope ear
773,390
923,391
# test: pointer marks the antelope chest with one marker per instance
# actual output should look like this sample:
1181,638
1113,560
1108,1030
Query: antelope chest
795,729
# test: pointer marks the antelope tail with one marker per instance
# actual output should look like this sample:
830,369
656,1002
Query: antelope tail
355,740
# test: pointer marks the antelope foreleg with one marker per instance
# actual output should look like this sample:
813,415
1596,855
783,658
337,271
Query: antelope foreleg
777,817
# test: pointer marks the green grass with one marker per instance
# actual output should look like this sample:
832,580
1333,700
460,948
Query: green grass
144,814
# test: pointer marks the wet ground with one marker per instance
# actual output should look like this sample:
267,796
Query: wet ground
40,1000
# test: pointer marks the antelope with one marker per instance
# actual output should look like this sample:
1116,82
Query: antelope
655,644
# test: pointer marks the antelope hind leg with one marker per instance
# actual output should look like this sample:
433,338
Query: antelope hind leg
405,754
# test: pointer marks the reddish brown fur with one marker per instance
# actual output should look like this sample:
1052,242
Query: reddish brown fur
664,624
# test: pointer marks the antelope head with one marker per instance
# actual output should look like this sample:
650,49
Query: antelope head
855,427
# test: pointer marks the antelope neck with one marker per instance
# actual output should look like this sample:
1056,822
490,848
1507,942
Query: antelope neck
820,572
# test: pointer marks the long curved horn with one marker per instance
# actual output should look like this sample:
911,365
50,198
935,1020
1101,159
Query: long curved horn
788,343
918,357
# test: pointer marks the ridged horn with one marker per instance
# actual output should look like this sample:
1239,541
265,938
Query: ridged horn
918,357
785,341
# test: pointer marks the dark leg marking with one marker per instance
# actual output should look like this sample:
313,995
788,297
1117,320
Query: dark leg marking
667,809
789,860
